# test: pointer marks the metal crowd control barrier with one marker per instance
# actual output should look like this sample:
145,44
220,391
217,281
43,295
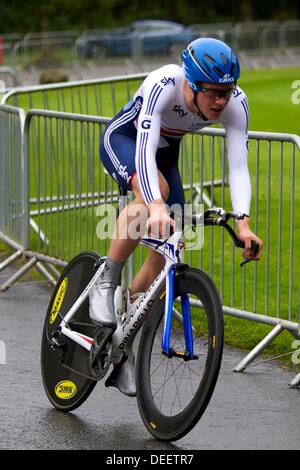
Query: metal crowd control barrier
45,52
13,217
56,48
14,200
68,188
8,78
99,97
269,294
68,196
67,181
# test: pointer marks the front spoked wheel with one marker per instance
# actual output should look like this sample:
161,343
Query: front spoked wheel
173,392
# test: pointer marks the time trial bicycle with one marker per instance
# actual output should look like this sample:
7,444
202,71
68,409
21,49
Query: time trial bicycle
180,347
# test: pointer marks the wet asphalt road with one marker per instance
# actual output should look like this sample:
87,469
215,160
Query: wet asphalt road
253,410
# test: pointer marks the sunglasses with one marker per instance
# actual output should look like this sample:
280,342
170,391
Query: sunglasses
214,93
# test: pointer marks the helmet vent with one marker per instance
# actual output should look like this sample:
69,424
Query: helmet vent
205,67
192,51
209,58
223,59
218,71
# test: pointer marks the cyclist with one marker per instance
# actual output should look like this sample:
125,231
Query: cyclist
140,150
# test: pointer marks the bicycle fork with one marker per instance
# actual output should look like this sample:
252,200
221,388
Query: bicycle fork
188,354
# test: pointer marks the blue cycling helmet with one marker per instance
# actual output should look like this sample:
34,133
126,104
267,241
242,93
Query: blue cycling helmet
210,60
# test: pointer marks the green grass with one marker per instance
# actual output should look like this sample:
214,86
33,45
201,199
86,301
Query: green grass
270,98
269,93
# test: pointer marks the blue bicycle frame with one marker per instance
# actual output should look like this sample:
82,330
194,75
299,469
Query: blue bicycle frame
186,318
170,252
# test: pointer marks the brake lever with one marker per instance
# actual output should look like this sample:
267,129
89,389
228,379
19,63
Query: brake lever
255,250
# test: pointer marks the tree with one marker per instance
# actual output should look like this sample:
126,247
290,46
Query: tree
38,15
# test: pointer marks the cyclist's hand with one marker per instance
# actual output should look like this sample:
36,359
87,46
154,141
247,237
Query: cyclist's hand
159,222
247,236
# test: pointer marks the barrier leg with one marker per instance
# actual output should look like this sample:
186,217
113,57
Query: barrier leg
258,349
18,274
53,271
10,259
43,271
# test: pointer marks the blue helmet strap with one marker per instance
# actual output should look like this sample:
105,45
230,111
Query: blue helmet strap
196,104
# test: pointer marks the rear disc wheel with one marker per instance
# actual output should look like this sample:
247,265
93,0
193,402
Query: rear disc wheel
65,388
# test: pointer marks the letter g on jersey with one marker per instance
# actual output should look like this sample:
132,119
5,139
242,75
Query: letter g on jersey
146,124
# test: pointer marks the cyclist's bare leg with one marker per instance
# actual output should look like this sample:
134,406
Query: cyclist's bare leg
148,272
130,227
122,245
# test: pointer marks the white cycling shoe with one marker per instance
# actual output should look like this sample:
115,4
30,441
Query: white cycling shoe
102,309
125,377
101,295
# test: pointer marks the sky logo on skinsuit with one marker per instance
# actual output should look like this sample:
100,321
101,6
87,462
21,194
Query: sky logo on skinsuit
178,109
138,103
168,81
236,92
123,173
